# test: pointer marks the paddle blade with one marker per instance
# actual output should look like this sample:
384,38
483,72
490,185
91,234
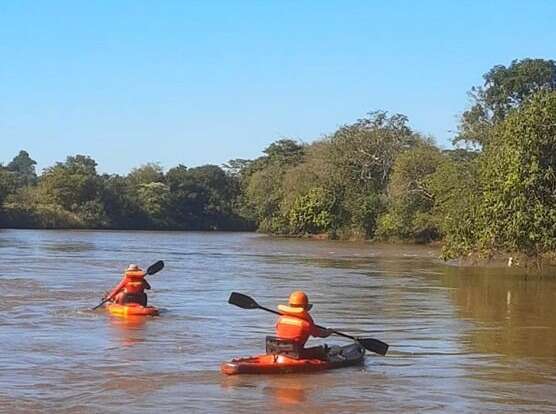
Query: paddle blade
155,268
373,345
243,301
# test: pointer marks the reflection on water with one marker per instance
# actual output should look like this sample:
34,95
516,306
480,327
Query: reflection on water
462,339
129,330
286,395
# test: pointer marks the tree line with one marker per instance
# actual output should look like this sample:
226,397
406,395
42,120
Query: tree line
71,194
375,178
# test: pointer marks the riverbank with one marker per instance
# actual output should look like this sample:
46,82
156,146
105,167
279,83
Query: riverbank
515,260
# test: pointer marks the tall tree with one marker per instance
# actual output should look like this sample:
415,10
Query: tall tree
504,89
284,152
75,186
23,166
411,196
518,172
361,156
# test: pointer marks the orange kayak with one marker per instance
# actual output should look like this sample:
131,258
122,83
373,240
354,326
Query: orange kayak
131,309
338,357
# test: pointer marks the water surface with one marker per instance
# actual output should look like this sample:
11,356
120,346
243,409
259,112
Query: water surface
462,340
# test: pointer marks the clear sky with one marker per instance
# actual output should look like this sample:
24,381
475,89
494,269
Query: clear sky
195,82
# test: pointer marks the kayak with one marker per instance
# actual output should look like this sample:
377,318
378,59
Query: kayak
131,309
338,357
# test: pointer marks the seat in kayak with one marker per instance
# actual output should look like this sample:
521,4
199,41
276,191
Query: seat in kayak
131,309
338,357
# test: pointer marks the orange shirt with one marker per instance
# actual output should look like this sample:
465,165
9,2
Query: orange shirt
297,327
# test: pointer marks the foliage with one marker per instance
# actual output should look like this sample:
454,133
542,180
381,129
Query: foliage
71,183
518,173
8,184
365,151
24,169
458,188
505,88
360,158
312,212
72,195
145,174
412,198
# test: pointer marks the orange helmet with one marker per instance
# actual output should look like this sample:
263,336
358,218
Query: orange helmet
298,302
298,299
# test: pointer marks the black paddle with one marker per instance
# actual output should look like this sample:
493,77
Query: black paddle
154,268
247,302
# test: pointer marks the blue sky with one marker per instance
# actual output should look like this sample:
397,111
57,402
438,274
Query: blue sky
195,82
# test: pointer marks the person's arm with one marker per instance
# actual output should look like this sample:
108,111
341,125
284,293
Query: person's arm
321,332
117,289
318,332
146,284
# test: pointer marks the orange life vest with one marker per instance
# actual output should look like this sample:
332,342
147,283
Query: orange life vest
135,282
296,327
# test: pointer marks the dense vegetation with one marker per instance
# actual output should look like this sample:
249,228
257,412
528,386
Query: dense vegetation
72,194
373,179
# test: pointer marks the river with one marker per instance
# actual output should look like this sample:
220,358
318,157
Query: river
461,339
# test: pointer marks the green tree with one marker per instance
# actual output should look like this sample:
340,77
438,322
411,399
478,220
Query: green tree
121,204
457,195
146,174
264,194
361,157
71,183
504,89
312,213
284,152
518,174
263,184
412,199
154,199
24,168
8,184
203,198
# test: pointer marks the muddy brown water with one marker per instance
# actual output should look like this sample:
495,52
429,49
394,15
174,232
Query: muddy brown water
462,340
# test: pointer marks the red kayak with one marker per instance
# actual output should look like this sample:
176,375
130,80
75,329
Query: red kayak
338,357
131,309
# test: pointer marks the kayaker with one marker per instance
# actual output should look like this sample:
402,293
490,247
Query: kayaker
296,324
131,288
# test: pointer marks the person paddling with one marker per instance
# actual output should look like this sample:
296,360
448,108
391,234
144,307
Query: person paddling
131,288
295,325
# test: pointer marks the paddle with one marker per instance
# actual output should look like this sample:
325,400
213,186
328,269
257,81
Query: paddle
154,268
247,302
